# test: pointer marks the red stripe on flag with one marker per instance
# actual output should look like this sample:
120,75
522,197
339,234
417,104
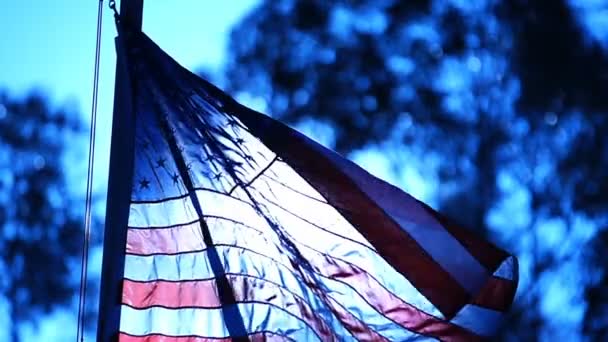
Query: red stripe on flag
359,329
168,294
168,240
389,304
395,245
203,294
497,294
256,337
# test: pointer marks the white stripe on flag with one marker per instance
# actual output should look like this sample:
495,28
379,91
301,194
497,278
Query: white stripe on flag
507,269
479,320
210,322
180,211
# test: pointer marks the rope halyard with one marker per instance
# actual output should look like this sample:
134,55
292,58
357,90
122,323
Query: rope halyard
87,214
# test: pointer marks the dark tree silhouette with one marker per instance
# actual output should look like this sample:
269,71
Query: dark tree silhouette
41,231
503,102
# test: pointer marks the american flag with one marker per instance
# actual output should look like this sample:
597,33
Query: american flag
241,227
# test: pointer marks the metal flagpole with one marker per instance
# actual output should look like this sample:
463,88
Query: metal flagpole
119,183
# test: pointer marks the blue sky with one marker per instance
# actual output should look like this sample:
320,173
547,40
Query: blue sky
49,46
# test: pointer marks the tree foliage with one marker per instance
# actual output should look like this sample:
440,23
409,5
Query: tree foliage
41,224
501,102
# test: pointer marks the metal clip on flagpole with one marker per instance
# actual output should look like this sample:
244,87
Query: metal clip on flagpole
112,6
119,181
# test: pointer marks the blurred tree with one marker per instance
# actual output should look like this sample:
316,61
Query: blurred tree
41,231
501,101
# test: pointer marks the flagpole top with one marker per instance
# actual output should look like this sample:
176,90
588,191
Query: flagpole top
131,12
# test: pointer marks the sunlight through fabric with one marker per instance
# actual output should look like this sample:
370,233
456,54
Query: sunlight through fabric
240,226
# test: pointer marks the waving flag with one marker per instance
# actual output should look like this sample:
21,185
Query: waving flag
241,227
